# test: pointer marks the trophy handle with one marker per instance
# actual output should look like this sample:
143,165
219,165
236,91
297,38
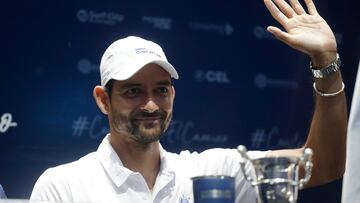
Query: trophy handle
307,164
245,158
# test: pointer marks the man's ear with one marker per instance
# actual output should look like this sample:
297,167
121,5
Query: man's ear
173,89
102,99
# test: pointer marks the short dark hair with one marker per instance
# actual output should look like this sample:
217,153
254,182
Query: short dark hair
109,86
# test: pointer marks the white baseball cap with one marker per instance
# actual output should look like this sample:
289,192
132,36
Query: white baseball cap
124,57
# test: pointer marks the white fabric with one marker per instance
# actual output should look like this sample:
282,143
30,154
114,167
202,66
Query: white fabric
101,177
2,193
351,183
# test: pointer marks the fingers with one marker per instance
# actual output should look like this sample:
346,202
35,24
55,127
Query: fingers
285,8
275,12
275,6
311,7
279,34
297,7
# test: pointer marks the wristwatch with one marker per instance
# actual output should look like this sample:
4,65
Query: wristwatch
328,70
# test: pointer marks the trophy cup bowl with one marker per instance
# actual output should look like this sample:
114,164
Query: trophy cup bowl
277,178
214,189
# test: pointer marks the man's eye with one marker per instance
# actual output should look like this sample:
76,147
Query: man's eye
132,92
163,90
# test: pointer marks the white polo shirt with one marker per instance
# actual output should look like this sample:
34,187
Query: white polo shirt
101,177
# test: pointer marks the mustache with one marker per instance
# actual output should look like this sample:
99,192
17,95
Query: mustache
143,114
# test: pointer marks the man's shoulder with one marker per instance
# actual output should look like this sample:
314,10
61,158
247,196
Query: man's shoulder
74,168
60,179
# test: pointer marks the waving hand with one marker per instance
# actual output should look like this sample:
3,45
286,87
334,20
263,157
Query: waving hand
304,30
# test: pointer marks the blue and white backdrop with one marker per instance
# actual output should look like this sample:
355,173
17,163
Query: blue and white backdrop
238,84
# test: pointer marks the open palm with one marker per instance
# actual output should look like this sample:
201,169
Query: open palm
306,32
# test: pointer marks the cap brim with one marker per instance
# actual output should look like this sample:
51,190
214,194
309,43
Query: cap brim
168,67
133,68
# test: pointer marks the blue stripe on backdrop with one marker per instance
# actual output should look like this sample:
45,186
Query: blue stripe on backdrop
237,83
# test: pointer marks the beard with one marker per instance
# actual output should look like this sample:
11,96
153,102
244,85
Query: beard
142,132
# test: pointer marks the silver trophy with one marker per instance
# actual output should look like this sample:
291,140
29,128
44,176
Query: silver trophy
276,179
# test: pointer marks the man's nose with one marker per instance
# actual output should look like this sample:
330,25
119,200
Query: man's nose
150,106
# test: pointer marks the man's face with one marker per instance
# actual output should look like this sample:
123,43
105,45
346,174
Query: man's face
141,107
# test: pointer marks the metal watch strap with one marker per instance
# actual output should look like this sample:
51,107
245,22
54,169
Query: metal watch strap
328,70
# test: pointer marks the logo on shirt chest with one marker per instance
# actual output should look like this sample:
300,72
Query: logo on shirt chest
184,199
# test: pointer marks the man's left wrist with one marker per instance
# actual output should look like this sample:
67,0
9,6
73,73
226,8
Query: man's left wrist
323,59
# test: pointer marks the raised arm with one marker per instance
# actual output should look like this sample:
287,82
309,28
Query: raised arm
305,30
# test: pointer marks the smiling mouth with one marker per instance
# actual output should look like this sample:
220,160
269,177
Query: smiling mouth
148,118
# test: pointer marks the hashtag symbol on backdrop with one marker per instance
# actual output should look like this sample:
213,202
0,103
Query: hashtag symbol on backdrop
80,125
257,138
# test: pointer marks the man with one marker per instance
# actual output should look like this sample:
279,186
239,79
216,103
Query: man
137,95
2,193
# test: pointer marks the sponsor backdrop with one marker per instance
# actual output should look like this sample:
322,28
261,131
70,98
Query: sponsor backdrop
238,85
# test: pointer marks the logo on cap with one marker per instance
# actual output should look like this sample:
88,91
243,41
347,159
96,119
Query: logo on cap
146,51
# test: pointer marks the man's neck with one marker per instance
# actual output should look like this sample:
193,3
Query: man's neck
138,157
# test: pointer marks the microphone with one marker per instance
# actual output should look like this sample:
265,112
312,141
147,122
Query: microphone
2,193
